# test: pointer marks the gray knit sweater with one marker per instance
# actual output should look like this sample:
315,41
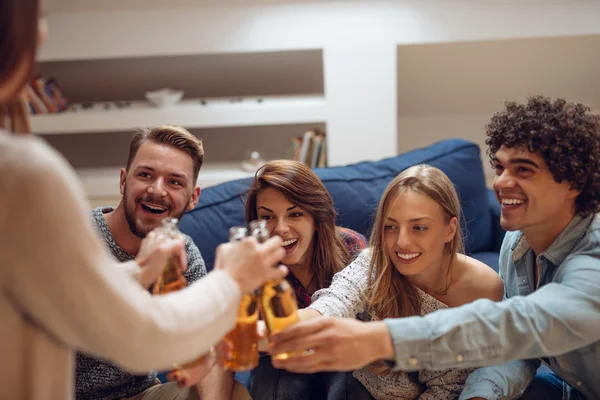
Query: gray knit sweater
98,379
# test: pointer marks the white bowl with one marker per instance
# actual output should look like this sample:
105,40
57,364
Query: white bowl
164,97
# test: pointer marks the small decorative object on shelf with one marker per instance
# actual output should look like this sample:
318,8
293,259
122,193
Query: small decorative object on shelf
164,97
106,106
253,161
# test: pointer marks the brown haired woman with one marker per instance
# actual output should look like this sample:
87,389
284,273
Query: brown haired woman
414,266
60,289
298,208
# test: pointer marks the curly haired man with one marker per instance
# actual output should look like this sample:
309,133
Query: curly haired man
546,154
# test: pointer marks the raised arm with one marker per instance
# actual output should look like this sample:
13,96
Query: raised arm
60,275
477,334
516,328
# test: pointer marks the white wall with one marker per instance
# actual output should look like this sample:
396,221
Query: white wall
423,130
359,41
147,32
452,89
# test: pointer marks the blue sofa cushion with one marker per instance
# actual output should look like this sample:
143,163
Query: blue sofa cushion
491,258
356,190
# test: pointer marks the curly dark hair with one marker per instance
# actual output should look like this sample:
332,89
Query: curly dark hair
565,134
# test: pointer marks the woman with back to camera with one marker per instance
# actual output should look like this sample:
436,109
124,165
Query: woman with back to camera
60,289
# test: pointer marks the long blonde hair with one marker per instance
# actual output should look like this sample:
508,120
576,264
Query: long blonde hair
389,293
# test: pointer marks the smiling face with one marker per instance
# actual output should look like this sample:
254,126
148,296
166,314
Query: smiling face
415,234
531,200
294,225
158,184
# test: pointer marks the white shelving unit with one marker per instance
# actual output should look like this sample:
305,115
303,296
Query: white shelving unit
243,116
359,67
214,113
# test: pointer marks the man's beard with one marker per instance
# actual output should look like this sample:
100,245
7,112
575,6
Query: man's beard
139,230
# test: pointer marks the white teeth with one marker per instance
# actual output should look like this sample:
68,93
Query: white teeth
408,256
155,208
511,202
288,242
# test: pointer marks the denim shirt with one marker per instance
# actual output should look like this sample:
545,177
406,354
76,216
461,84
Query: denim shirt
559,322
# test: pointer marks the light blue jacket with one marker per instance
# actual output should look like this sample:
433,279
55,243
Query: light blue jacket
559,322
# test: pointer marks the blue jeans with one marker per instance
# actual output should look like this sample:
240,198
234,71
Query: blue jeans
269,383
549,386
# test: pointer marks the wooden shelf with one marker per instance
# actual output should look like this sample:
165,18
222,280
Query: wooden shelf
104,182
190,113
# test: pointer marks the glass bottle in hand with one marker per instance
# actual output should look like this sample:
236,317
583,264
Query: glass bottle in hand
172,278
238,350
277,299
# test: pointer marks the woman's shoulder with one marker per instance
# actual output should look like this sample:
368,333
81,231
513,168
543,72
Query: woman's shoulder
29,162
477,280
26,152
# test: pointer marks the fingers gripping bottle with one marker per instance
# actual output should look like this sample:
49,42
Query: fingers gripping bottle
239,349
277,298
172,278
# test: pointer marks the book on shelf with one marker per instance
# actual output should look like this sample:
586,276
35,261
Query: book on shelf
309,149
44,96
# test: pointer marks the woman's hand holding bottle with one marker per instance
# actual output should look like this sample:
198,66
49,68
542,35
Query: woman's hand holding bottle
251,264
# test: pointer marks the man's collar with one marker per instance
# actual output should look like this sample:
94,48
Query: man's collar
562,245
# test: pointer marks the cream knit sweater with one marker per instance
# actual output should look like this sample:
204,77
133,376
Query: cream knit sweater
61,290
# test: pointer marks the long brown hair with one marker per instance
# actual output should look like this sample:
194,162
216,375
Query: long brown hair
302,187
389,293
18,44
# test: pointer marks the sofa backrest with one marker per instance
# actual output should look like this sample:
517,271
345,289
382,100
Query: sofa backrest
356,190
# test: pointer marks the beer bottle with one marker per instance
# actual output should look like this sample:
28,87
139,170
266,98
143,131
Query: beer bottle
277,298
238,350
172,278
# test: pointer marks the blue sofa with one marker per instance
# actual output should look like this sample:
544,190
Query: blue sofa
356,190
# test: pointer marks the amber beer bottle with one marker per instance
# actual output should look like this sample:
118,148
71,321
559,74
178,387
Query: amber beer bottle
239,349
277,298
172,278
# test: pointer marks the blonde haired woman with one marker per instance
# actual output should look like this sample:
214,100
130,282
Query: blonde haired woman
414,266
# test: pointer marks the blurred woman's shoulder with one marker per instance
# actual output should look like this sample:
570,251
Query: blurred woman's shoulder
29,165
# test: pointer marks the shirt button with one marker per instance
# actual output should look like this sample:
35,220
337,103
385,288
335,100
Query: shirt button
579,383
413,361
459,358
